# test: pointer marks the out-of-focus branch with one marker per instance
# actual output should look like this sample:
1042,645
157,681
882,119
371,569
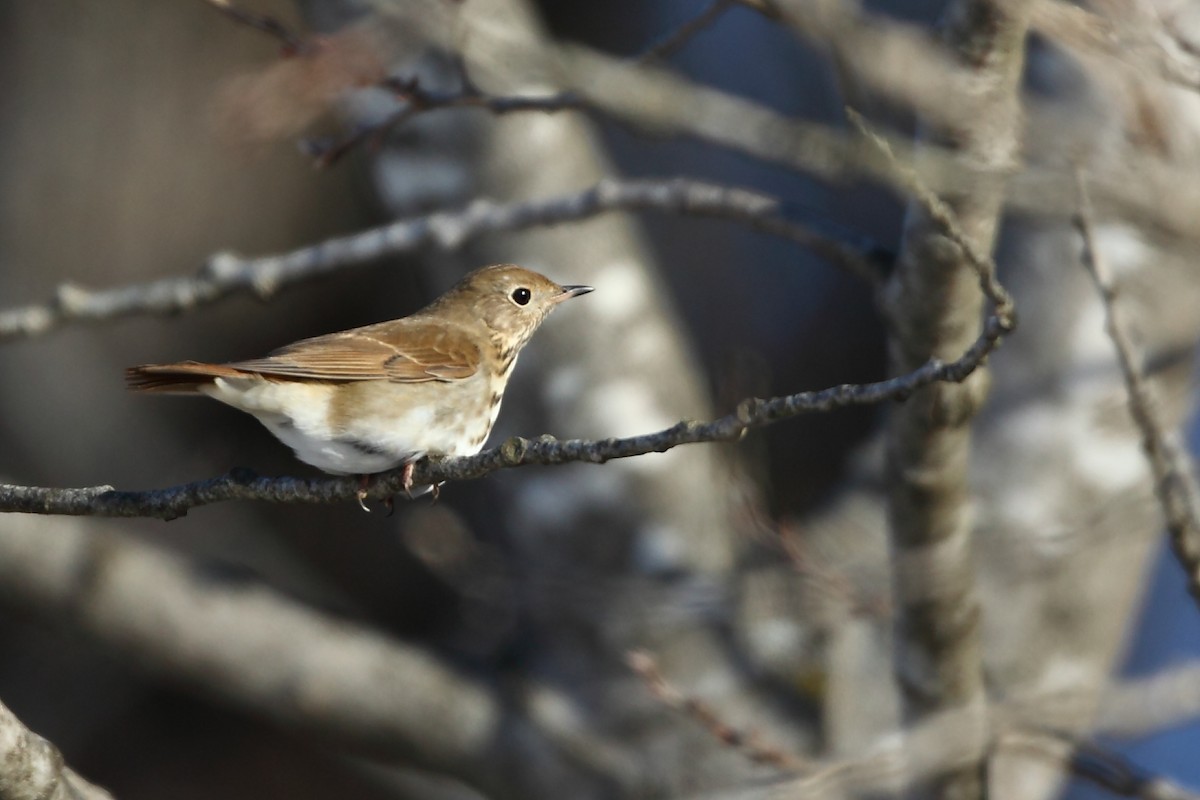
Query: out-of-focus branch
1174,483
676,39
31,768
273,657
658,101
1149,52
749,743
936,307
418,100
667,104
293,44
104,501
942,214
1139,707
870,48
949,741
1096,765
227,274
252,647
905,64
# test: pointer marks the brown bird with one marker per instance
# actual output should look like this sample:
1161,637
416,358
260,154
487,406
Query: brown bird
369,399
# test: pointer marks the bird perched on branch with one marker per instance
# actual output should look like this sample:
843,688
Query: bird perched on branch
371,399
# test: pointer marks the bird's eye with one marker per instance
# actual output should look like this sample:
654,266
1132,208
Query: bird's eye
521,296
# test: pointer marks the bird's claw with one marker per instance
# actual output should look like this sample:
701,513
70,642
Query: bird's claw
361,494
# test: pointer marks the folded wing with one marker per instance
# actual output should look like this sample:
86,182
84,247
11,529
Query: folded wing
403,351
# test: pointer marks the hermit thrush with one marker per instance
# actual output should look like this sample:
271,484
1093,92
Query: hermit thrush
372,398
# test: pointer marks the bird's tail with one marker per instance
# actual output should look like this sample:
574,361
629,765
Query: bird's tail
184,377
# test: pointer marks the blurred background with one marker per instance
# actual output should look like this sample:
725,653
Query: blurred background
122,160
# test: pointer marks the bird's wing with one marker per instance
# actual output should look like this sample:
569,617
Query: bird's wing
403,351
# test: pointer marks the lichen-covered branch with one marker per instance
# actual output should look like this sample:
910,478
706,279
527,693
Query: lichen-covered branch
227,274
32,768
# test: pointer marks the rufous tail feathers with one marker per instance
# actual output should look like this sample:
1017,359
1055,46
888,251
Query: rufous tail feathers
184,377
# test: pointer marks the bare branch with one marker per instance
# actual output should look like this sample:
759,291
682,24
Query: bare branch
949,741
903,63
1097,765
940,743
1152,53
357,689
31,768
1174,483
749,743
418,100
936,297
249,645
676,39
105,501
1136,707
898,61
226,274
666,104
293,44
947,221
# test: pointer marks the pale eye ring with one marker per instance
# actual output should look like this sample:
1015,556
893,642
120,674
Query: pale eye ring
521,296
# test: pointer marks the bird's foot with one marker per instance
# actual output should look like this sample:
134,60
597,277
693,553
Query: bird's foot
406,479
361,494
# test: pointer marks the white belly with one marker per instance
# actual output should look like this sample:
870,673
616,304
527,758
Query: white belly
390,424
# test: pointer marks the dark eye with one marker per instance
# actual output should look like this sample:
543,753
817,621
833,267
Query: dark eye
521,296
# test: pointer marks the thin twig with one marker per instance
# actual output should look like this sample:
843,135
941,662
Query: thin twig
1174,483
767,8
748,742
418,100
293,44
676,39
105,501
947,221
226,274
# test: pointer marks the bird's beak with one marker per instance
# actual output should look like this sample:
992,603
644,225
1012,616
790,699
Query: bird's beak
572,291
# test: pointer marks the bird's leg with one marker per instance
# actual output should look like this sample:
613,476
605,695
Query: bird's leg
406,479
435,491
363,482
